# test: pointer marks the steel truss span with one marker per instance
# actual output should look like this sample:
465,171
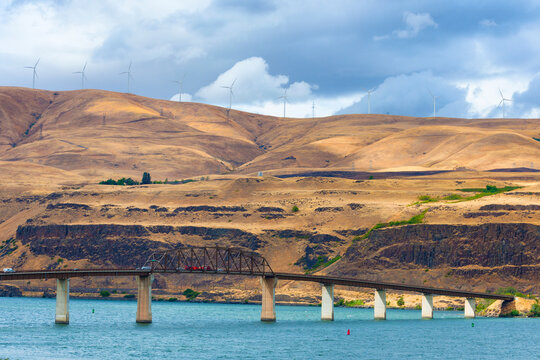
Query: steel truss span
209,260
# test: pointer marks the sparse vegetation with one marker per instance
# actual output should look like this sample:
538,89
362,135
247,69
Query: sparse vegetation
416,219
295,209
146,179
321,263
190,294
489,190
535,310
351,303
400,302
122,182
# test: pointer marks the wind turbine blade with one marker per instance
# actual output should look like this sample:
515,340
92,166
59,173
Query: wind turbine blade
233,83
84,67
500,92
28,67
129,68
500,103
37,62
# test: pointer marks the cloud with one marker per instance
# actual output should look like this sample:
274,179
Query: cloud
410,95
252,84
414,23
487,23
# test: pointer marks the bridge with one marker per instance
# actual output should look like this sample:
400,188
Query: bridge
231,261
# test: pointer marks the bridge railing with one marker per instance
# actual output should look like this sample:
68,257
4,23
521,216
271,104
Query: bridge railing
209,259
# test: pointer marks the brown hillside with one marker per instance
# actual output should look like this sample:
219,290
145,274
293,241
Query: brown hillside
99,134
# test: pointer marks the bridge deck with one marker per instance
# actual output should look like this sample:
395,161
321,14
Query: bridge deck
71,273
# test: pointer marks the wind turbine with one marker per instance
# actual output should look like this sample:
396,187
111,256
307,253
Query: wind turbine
83,76
231,93
434,103
503,99
369,100
129,77
313,110
34,74
285,98
179,82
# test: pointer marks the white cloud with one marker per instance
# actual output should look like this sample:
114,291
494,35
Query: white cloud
185,97
252,84
414,24
256,90
487,23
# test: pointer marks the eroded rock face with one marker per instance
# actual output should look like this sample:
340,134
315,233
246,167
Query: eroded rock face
121,245
9,291
431,246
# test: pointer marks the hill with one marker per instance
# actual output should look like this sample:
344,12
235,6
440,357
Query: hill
358,182
98,134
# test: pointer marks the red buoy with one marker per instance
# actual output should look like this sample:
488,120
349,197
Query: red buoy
348,331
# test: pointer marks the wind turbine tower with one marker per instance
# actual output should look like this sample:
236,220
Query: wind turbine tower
129,77
179,82
503,99
83,76
313,110
369,100
34,73
231,93
285,98
434,103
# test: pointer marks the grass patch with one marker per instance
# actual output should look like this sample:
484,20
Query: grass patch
321,264
416,219
487,191
423,199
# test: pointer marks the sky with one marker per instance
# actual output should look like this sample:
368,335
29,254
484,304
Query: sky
324,56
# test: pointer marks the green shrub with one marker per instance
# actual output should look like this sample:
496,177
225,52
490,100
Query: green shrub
129,296
535,310
400,301
294,209
418,307
340,302
370,177
354,303
173,299
122,181
190,294
514,313
104,293
146,179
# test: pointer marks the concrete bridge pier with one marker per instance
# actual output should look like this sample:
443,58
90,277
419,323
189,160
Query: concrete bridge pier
327,303
144,299
427,306
380,305
268,309
62,301
470,307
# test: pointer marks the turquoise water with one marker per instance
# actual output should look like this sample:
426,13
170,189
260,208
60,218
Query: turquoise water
220,331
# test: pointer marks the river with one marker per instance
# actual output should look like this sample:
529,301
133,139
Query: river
106,329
